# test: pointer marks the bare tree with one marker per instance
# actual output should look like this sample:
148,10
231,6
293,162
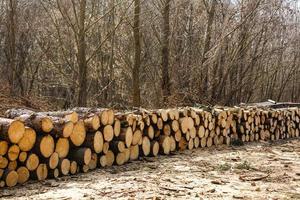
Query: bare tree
137,54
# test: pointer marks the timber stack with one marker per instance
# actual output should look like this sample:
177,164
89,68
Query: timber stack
41,145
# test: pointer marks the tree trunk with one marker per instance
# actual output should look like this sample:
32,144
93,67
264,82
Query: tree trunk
207,41
137,56
81,57
166,85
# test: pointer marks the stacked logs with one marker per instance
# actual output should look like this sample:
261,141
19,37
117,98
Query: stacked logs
40,145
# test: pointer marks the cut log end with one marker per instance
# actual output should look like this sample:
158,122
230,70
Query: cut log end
53,160
79,133
23,174
47,125
28,140
11,178
32,162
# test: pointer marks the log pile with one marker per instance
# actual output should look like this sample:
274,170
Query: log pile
41,145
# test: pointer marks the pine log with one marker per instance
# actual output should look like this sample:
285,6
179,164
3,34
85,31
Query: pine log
28,140
62,127
108,133
3,147
23,174
73,167
120,158
13,152
172,143
10,178
134,152
62,147
154,146
53,173
126,135
94,141
32,162
78,134
91,122
103,161
41,173
110,158
44,146
64,166
12,165
177,135
117,146
81,155
23,156
149,131
11,130
164,144
137,136
93,163
146,146
117,127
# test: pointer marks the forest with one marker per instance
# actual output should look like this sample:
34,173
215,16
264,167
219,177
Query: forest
150,53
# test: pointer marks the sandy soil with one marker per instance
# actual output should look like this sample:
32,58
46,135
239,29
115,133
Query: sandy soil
254,171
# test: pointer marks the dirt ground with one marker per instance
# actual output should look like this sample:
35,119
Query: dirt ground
253,171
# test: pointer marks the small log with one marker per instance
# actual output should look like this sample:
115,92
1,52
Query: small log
137,136
53,173
81,155
126,135
12,165
73,167
10,177
53,160
182,144
146,146
134,152
23,174
178,136
93,163
149,131
127,154
62,127
23,156
13,152
32,162
94,141
3,162
110,158
41,173
117,127
105,147
117,146
120,158
64,166
103,161
92,122
172,144
108,133
196,142
164,144
3,147
62,147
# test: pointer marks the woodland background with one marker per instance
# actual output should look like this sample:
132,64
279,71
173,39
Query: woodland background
150,53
